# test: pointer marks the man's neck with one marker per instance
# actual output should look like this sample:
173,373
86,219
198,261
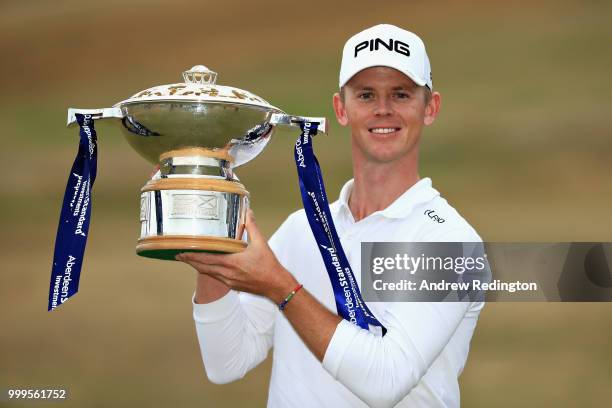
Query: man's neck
377,186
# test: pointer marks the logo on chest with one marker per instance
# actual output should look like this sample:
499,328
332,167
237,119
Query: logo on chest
432,214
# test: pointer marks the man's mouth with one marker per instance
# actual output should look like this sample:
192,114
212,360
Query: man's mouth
383,130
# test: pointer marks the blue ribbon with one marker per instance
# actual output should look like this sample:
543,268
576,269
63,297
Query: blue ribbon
74,217
349,303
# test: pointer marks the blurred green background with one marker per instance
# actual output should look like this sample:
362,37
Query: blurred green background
522,149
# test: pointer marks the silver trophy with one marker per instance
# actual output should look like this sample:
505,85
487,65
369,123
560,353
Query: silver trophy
197,132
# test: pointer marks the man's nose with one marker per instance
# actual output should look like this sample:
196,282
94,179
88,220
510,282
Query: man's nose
383,107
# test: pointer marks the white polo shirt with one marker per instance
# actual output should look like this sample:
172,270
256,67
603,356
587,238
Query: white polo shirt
418,361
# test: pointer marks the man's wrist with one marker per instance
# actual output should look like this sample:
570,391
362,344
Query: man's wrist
282,287
290,296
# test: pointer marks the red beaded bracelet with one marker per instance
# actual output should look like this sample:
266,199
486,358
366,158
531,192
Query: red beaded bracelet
289,297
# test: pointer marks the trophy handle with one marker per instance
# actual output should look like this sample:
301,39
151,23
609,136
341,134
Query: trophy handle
290,120
102,113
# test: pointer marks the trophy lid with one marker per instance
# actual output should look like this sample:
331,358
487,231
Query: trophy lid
199,86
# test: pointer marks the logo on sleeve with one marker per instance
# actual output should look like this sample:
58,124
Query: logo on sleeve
374,44
431,214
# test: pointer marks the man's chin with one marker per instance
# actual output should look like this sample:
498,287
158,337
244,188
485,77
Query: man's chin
384,157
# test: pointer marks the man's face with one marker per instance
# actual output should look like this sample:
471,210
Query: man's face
386,112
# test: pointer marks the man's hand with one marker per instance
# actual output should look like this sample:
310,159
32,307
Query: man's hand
254,270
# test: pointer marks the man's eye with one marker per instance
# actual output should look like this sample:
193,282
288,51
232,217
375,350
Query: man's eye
402,95
366,95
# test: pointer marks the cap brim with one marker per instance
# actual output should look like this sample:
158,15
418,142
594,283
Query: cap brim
408,73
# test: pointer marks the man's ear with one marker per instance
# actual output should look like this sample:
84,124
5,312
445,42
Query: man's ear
432,109
339,109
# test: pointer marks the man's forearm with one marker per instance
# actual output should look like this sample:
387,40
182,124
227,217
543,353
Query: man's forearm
312,321
209,289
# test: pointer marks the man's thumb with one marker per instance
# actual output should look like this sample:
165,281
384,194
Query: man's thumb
254,233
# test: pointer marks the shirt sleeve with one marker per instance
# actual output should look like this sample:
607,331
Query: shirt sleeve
382,370
234,333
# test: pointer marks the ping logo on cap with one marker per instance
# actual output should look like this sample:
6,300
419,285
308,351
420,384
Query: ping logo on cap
375,43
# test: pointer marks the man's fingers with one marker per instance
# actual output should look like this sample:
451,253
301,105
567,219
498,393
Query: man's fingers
215,271
202,258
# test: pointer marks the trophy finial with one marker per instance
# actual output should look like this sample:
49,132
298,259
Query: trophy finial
201,75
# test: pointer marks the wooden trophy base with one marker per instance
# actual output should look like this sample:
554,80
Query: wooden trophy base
167,247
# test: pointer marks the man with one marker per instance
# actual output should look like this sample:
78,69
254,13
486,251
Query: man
386,98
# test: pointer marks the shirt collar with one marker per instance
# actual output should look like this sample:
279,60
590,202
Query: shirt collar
420,192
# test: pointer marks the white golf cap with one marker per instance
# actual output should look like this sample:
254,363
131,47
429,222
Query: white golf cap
388,46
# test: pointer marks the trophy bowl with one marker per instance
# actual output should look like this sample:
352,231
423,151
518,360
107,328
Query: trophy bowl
243,129
196,133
